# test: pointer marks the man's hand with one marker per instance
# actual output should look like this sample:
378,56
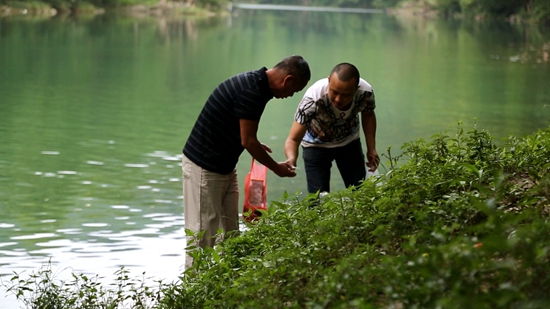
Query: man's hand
372,160
291,163
284,169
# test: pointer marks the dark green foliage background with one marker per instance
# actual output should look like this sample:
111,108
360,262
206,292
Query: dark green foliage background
530,10
456,222
460,223
538,10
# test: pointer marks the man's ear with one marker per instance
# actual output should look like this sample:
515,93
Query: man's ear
288,79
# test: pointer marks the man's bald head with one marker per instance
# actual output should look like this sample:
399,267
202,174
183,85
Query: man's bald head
346,72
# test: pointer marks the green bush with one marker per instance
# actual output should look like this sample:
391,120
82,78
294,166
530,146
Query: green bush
450,228
454,222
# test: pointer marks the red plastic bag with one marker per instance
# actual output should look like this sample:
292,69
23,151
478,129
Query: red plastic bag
255,191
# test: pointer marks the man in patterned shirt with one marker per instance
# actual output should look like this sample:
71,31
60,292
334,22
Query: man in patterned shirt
327,124
227,125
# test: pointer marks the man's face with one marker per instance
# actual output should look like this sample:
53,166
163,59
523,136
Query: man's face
341,93
291,85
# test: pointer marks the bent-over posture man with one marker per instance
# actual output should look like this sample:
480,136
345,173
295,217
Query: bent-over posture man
227,125
327,126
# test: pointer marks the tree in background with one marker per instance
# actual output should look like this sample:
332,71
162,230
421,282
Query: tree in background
533,10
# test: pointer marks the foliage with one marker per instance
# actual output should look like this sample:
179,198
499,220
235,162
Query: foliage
456,222
90,6
29,5
214,5
536,10
43,290
451,228
528,10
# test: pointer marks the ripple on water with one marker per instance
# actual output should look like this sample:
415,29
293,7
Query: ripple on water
156,226
157,214
34,236
172,158
55,243
94,162
136,165
95,224
175,220
147,231
69,231
165,155
7,244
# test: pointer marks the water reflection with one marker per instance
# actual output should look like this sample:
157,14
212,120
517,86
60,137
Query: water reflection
94,114
93,216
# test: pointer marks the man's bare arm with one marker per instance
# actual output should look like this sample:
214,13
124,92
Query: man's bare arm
368,122
250,142
292,143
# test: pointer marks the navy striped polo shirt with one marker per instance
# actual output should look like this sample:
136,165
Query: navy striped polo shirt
215,140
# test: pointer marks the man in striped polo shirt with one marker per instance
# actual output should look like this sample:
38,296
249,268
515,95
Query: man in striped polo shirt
227,125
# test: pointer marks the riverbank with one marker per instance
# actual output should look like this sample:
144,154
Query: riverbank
161,8
416,9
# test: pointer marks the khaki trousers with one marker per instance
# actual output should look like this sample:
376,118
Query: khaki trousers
210,202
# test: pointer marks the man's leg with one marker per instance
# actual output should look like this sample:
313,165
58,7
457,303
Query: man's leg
203,192
350,161
317,163
230,207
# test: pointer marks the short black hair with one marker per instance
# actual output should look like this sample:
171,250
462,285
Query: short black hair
346,72
295,65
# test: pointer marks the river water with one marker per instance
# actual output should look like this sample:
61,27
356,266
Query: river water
94,112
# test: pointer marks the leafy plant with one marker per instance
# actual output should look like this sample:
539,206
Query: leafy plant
43,290
455,222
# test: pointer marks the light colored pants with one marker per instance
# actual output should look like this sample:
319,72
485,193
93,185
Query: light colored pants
210,201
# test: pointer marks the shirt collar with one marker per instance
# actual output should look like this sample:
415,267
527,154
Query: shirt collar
263,82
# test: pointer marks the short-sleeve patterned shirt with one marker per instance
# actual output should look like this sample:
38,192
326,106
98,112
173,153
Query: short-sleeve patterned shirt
326,125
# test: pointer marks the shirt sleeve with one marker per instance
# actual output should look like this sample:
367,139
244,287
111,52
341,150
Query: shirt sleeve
370,103
305,111
366,100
